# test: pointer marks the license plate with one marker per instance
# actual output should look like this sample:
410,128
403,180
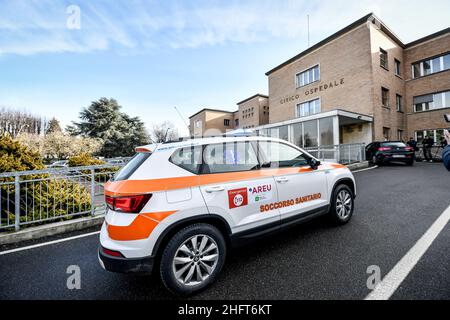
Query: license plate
399,156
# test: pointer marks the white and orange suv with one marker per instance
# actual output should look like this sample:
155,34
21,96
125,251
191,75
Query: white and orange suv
177,207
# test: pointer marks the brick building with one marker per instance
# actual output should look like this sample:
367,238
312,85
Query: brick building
358,85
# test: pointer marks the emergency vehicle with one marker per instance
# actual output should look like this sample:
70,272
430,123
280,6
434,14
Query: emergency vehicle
176,208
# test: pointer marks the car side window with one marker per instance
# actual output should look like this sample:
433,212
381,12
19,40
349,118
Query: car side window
281,155
229,157
188,158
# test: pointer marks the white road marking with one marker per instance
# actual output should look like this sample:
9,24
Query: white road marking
49,243
370,168
390,283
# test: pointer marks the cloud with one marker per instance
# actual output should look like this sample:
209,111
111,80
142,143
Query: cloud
39,26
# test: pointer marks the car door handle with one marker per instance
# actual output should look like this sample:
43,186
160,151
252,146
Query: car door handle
215,189
282,179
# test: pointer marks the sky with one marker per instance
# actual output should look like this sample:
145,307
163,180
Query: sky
57,56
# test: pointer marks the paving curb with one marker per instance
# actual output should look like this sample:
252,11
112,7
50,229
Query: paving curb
358,166
51,229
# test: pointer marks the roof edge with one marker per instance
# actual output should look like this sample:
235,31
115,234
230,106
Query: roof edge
323,42
428,37
210,109
253,96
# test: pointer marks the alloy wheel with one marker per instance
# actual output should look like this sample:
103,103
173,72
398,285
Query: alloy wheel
195,260
344,204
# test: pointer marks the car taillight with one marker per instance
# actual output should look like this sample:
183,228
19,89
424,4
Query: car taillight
128,204
409,149
109,202
384,148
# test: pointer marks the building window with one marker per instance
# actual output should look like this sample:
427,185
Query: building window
426,68
308,76
310,133
198,123
437,135
386,133
434,101
308,108
297,131
398,70
430,66
399,102
326,131
226,122
385,97
400,135
236,122
383,58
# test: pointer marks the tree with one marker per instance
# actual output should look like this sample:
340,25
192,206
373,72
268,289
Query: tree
16,122
57,145
163,132
16,157
119,132
53,126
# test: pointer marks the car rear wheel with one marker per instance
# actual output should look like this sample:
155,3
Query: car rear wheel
342,204
192,259
375,160
410,163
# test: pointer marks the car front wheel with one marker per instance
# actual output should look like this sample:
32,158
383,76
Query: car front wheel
342,204
192,259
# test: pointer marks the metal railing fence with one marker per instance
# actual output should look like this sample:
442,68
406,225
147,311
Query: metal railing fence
38,196
342,153
436,152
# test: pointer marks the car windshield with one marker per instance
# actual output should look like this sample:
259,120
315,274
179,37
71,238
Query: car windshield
393,144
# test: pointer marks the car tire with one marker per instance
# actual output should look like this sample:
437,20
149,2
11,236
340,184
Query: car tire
410,163
200,268
342,205
375,160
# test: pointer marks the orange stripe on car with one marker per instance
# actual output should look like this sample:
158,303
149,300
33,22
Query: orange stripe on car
130,187
141,227
338,166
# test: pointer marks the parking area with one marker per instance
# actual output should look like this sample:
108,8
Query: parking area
395,206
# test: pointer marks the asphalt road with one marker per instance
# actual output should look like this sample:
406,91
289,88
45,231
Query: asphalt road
394,208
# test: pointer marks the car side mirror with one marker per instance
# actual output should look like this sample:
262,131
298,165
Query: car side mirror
314,164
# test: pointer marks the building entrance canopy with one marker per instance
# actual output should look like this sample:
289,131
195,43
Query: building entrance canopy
322,129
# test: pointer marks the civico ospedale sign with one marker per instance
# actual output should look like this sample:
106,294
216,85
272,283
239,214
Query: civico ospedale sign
319,88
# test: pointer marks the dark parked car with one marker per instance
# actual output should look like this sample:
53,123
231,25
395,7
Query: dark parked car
389,151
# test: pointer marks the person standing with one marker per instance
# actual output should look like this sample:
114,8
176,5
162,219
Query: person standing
446,151
444,142
413,144
427,144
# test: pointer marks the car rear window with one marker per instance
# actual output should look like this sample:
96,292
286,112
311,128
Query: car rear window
131,166
393,144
